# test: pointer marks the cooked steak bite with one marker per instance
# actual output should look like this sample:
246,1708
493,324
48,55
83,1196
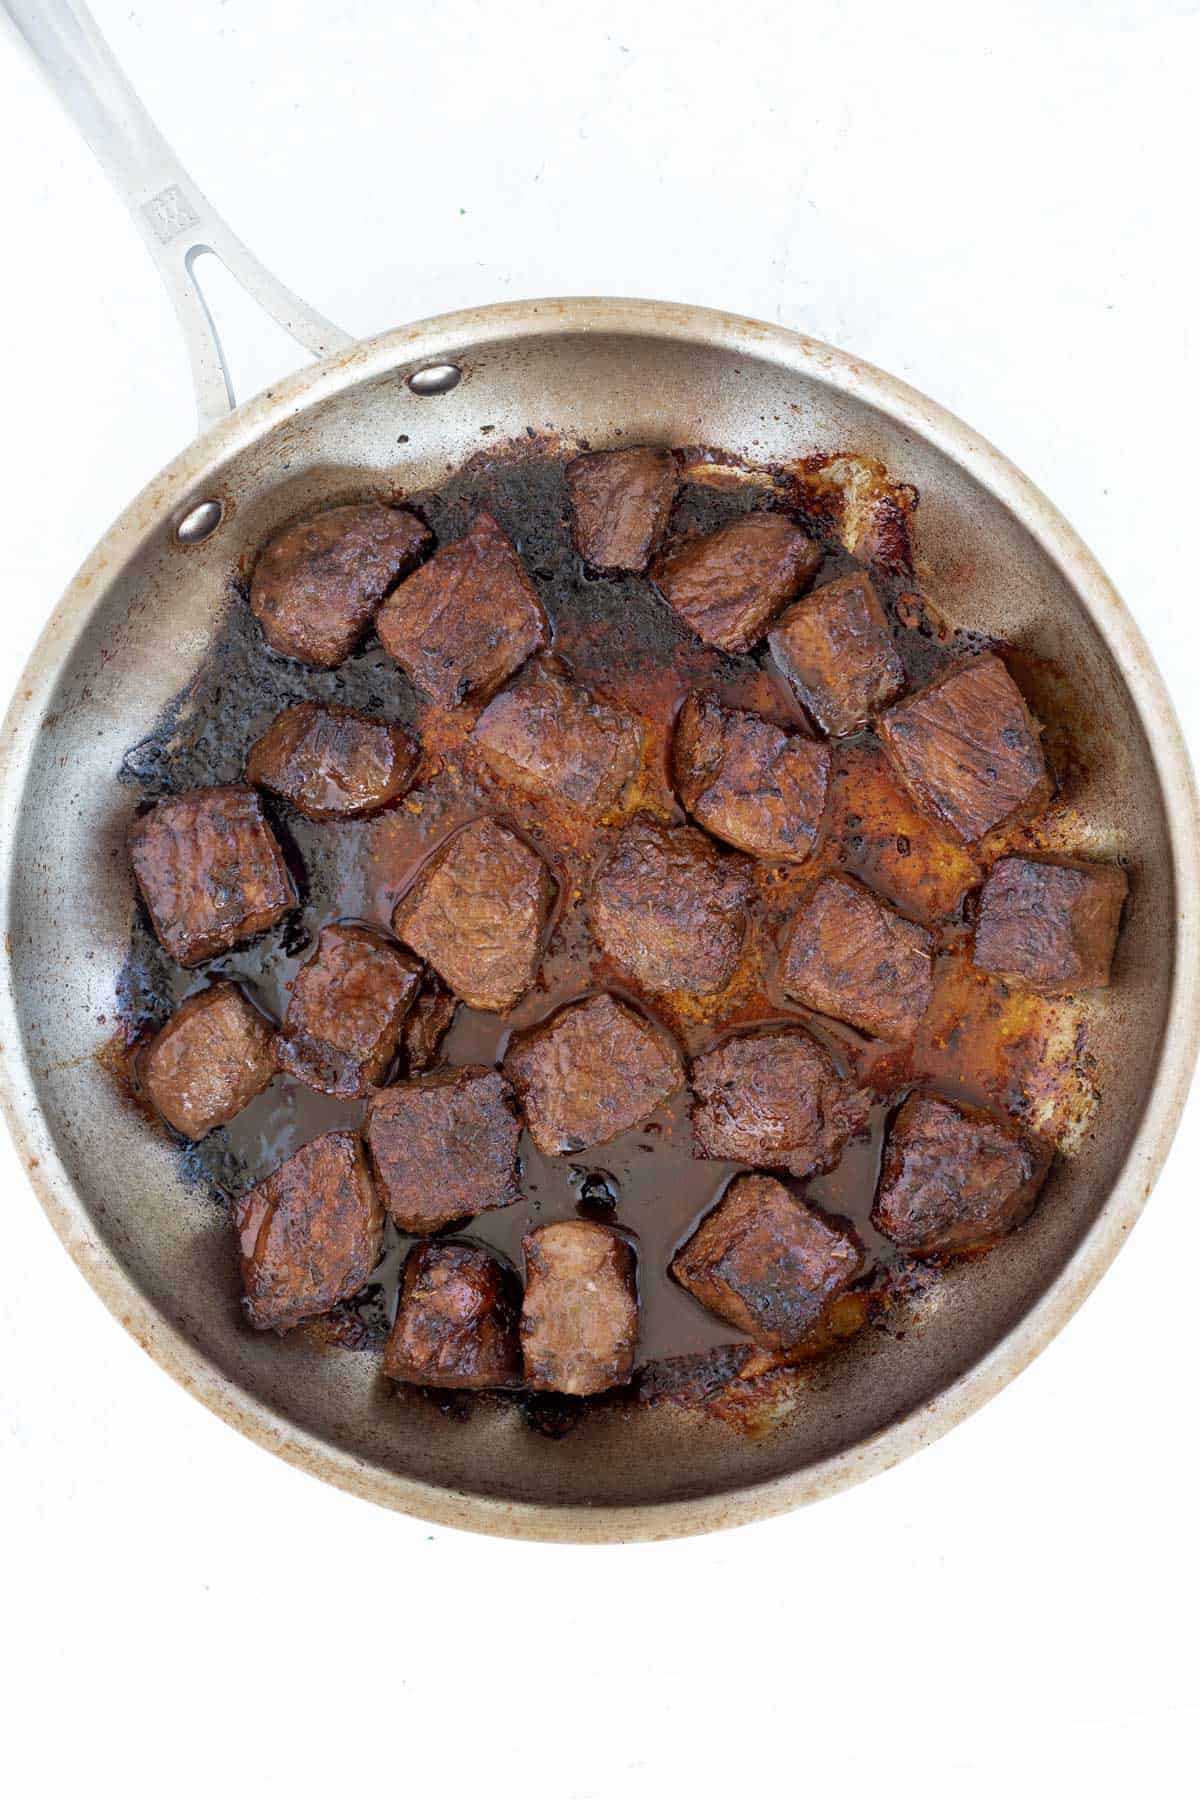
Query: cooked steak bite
955,1178
766,1263
593,1069
210,871
968,748
317,584
347,1006
469,617
746,780
457,1323
729,584
1050,923
847,954
552,738
429,1019
837,653
621,501
331,763
774,1098
444,1147
579,1323
669,909
211,1058
310,1234
477,911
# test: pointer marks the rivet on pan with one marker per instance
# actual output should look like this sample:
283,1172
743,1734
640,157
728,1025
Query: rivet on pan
200,523
439,378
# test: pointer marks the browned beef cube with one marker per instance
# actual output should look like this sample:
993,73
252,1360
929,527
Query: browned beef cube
748,781
331,763
767,1263
729,584
870,511
849,955
968,748
318,583
444,1147
477,911
954,1178
210,1059
467,619
621,501
669,908
837,652
595,1068
774,1098
310,1234
579,1324
1050,923
429,1019
210,871
457,1323
552,738
347,1006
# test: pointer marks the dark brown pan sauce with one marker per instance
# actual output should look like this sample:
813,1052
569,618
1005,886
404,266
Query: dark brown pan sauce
1019,1052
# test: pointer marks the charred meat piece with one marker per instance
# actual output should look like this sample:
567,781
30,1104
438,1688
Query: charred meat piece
457,1323
774,1098
621,501
579,1324
766,1263
1050,923
729,584
880,834
955,1178
462,624
444,1147
310,1234
210,1059
318,583
748,781
669,909
331,763
347,1006
552,738
428,1021
593,1069
838,655
869,511
849,955
968,748
477,911
210,871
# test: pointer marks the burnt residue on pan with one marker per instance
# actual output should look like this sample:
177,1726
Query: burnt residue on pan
980,1041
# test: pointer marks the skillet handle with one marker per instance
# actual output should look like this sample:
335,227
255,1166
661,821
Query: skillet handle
176,221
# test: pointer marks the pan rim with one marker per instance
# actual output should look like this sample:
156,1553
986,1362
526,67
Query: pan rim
446,338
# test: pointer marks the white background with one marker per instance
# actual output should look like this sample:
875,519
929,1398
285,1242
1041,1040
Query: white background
995,202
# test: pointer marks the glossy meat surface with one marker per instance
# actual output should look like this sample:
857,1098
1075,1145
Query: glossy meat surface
1050,923
774,1098
444,1147
621,504
348,1002
968,748
847,954
595,1068
478,911
748,781
579,1323
331,763
318,583
210,871
211,1058
767,1263
429,1019
467,619
457,1322
955,1178
729,584
552,738
310,1234
837,653
669,909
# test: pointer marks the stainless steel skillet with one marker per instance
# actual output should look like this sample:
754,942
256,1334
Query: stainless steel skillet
137,621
